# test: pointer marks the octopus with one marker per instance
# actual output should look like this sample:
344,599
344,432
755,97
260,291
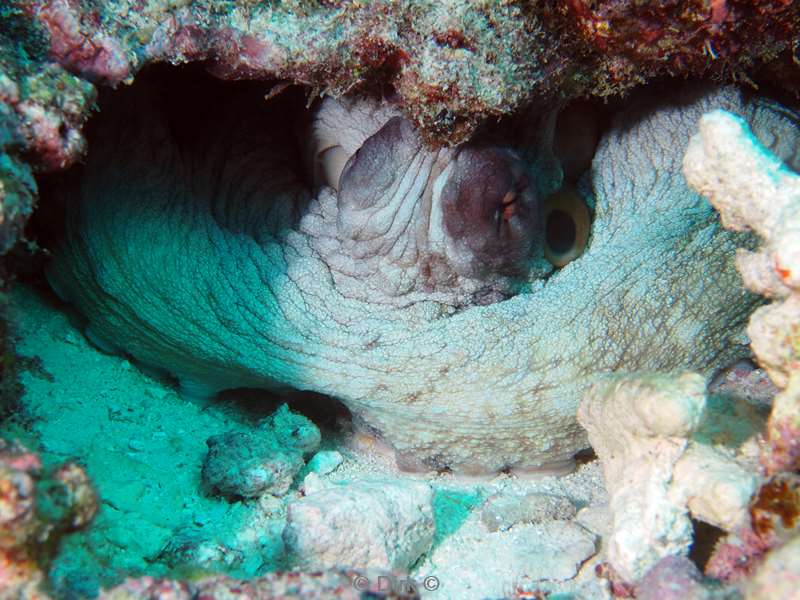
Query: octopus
457,300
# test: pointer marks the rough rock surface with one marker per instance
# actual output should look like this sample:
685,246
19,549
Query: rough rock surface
383,524
661,465
246,464
321,585
504,511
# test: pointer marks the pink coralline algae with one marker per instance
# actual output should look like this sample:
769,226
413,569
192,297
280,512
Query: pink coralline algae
35,509
728,37
93,53
673,578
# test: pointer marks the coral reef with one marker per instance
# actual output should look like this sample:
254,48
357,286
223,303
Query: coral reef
452,65
662,463
444,379
438,305
756,190
42,111
37,507
246,464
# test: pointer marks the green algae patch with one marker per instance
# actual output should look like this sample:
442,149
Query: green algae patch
450,509
143,447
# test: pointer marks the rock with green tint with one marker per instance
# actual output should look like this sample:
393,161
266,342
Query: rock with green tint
248,464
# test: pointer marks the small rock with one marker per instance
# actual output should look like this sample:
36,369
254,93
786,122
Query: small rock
244,465
552,550
313,483
324,462
136,445
247,464
384,524
191,548
503,512
673,578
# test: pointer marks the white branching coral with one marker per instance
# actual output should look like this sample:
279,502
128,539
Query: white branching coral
651,432
754,190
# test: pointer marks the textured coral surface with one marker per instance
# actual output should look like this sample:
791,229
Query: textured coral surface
451,64
755,190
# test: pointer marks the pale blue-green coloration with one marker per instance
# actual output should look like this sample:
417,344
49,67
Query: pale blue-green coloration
217,264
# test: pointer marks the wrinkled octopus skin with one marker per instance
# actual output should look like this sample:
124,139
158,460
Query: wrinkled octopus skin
404,281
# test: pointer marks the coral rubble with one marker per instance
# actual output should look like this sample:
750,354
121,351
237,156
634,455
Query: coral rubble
361,525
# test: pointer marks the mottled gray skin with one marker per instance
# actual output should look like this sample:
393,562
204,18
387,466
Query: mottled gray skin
214,262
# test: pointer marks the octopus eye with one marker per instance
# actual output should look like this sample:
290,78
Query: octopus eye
328,166
567,226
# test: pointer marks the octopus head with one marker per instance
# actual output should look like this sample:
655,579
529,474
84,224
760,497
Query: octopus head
467,223
492,212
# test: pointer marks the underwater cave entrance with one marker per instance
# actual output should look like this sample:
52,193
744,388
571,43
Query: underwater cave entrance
190,98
